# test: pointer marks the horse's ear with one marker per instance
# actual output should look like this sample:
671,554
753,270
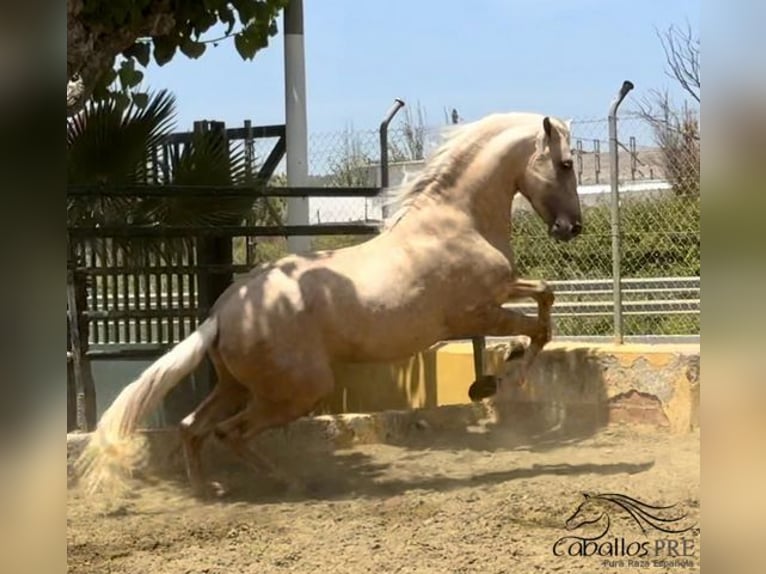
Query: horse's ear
547,127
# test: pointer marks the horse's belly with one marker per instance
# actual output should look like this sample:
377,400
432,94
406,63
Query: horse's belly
391,337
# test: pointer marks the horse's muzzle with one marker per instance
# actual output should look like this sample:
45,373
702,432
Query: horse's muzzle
565,230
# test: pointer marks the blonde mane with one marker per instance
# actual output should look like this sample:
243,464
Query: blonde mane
400,197
452,157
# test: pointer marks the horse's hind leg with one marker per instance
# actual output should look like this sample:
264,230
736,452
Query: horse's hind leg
300,393
236,432
227,397
195,428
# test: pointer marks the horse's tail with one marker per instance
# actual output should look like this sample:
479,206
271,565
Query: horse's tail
112,446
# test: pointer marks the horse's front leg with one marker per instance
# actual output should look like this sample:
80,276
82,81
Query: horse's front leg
497,321
543,295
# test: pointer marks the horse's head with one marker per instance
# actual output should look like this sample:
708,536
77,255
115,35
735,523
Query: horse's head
589,511
549,182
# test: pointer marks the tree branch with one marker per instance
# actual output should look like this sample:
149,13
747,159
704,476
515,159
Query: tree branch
98,31
658,111
91,49
682,52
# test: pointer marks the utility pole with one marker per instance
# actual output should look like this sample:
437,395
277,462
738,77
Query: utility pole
296,122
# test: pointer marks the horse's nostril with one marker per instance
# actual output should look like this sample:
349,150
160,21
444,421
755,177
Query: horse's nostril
576,228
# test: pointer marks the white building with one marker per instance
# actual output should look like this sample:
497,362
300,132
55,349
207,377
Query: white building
356,209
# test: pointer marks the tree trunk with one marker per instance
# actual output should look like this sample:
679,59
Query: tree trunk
93,46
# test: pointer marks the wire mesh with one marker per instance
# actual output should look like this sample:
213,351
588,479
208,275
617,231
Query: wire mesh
659,217
658,163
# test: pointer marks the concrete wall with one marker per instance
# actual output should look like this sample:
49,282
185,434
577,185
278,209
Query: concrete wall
646,384
571,385
573,392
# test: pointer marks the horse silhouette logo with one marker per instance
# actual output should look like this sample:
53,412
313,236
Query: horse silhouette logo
595,509
595,513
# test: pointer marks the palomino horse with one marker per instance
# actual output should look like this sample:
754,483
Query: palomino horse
441,268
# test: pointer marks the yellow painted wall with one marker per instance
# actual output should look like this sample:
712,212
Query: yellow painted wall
442,375
439,376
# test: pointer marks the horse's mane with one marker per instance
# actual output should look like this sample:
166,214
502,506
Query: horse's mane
642,512
400,197
451,158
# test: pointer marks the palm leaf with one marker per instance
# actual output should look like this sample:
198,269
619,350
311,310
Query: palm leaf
208,159
109,144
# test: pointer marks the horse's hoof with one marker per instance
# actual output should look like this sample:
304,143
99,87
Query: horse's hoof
217,490
209,490
483,388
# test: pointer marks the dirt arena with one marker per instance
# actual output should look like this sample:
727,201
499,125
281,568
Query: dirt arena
438,503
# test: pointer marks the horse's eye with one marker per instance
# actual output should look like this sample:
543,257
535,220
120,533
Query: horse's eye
567,164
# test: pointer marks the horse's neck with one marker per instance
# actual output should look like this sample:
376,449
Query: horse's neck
488,207
480,193
445,212
486,193
491,214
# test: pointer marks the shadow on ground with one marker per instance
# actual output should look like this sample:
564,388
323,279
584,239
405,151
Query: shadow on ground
562,405
377,471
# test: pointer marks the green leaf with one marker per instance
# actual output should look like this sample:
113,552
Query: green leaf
247,11
244,46
129,76
208,20
261,11
141,51
164,49
100,92
141,99
110,76
192,49
227,17
122,100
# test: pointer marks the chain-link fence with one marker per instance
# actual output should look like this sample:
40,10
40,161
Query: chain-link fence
153,296
659,233
350,158
659,216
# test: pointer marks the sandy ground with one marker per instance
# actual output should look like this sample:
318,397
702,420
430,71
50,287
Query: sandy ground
439,503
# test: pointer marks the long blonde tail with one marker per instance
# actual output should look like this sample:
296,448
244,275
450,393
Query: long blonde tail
113,449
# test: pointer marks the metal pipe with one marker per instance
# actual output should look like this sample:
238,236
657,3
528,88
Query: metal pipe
626,87
296,124
397,105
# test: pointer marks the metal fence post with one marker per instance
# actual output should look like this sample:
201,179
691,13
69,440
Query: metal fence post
626,87
85,391
398,104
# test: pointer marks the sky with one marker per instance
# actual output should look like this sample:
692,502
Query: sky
561,57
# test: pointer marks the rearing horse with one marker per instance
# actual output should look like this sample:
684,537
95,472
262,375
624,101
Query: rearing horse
441,268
